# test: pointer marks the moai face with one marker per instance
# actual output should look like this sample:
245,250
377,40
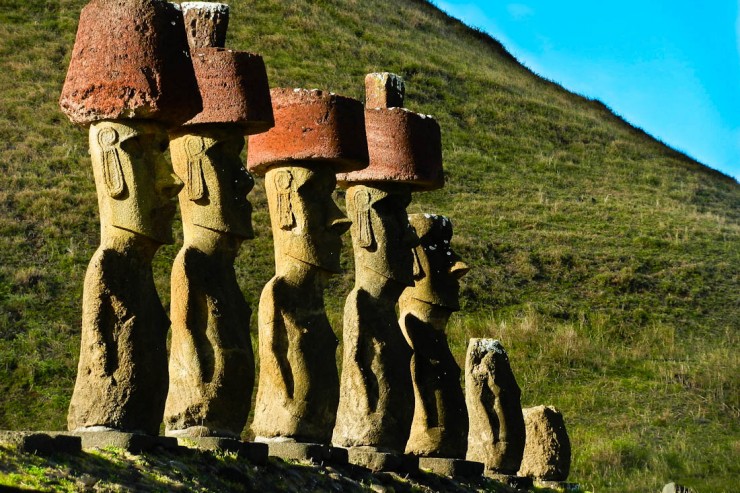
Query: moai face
135,183
216,182
307,225
437,268
381,234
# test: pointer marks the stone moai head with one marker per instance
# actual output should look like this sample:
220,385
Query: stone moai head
135,183
382,237
307,225
437,268
216,182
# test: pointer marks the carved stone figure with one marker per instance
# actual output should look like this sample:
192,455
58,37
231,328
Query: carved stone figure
547,450
440,424
496,436
129,77
298,382
211,362
376,398
122,373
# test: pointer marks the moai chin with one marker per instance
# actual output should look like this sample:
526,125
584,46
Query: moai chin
376,403
128,87
316,134
440,424
211,359
497,434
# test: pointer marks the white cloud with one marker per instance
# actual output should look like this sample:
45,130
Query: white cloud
519,10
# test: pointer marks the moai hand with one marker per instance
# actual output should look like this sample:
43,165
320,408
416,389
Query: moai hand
211,362
440,424
298,384
128,86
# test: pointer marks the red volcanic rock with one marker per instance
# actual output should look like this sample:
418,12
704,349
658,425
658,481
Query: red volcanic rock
311,126
130,60
234,89
206,23
404,147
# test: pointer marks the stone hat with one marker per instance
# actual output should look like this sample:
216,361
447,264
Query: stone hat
311,126
404,146
234,89
130,61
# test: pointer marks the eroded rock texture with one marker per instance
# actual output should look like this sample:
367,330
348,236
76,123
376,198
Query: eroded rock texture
547,452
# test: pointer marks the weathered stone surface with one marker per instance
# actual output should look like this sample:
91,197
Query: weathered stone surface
206,23
311,126
496,436
376,399
122,373
380,461
134,443
211,360
384,90
130,61
403,146
440,424
518,482
234,89
290,450
547,452
298,386
39,442
253,452
451,467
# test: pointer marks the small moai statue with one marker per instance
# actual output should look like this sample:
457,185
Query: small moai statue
211,364
496,436
129,79
547,451
376,404
316,135
439,430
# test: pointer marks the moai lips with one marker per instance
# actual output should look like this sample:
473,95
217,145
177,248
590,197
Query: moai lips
403,146
311,125
130,61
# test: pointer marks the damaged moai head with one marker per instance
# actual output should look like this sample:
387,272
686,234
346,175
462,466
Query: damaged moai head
135,183
384,90
437,268
216,182
206,23
382,237
130,61
307,225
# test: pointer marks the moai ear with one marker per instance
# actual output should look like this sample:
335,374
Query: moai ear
418,271
282,180
112,171
361,220
194,147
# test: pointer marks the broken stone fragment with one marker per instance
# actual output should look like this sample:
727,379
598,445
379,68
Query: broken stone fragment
384,90
130,61
234,89
311,125
206,23
496,436
547,451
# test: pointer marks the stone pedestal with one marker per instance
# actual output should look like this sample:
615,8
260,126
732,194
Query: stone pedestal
255,453
41,442
451,467
134,443
378,461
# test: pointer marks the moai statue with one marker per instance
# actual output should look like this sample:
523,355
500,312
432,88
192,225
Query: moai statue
439,430
547,450
496,436
316,135
211,363
129,79
377,403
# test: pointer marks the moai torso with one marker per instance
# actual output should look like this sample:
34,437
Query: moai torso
440,424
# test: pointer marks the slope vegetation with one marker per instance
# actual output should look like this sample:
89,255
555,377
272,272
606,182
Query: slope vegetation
606,262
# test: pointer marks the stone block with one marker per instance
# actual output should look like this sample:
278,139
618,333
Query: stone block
234,89
377,461
547,450
130,60
384,90
253,452
205,23
518,482
451,467
134,443
312,127
289,450
40,442
404,147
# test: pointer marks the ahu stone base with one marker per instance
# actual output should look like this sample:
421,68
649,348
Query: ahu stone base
517,482
134,443
255,453
40,442
377,461
451,467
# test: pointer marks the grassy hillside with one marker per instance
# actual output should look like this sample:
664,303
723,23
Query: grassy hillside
607,263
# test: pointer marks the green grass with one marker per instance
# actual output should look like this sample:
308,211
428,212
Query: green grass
606,262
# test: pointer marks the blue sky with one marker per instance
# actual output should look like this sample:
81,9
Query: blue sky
669,67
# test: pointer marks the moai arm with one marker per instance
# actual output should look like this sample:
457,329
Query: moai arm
273,341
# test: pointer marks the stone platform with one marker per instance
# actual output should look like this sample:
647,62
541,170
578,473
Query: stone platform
377,461
41,442
253,452
451,467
